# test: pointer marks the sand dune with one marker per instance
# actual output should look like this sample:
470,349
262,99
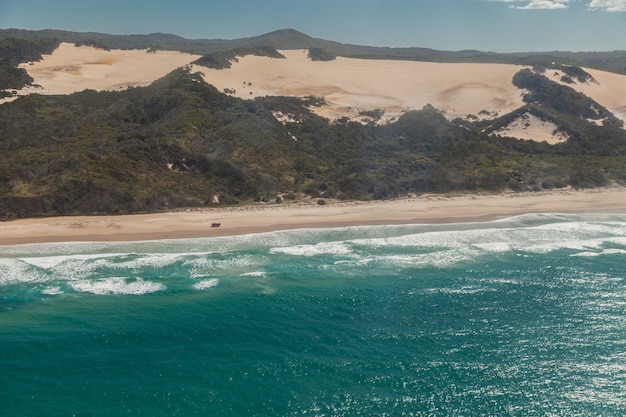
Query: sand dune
349,86
529,127
70,69
353,85
609,91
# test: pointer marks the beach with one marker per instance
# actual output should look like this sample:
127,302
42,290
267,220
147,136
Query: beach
260,218
350,87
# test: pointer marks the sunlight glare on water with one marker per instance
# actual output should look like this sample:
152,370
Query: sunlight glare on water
521,316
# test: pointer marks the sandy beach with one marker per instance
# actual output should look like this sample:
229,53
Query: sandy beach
249,219
349,86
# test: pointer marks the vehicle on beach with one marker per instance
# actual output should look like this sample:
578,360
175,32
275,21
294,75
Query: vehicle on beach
216,224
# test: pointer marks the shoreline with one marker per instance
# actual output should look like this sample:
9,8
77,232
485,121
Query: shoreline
252,219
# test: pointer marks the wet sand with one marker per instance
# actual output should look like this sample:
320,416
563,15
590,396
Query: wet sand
247,219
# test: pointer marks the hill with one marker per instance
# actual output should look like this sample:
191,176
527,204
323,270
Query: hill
195,135
289,39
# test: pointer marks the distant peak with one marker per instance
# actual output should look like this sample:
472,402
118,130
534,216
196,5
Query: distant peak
291,32
287,34
284,39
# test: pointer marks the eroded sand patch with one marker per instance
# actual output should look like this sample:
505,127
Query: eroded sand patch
70,69
351,86
530,127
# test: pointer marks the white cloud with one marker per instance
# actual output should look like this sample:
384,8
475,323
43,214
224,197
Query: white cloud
539,4
595,5
544,4
608,5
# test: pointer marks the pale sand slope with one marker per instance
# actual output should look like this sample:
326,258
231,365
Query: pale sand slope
257,219
70,69
351,85
610,90
530,127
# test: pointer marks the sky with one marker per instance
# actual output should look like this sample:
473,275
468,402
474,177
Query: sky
487,25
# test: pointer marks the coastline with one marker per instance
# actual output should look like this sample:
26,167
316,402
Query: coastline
250,219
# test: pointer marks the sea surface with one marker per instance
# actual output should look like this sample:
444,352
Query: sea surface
524,316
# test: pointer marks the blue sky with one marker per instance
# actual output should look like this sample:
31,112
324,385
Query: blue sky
488,25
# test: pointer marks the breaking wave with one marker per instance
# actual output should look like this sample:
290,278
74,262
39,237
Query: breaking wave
147,267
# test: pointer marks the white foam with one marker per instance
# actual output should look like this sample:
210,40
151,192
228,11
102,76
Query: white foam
534,239
52,290
356,262
117,285
14,271
468,290
323,248
206,284
614,252
437,259
55,266
423,240
253,274
50,262
156,260
498,247
88,262
471,241
570,244
233,265
603,252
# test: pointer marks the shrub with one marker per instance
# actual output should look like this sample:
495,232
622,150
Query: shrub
320,54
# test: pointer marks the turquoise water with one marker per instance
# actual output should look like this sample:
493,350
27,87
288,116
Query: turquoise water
524,317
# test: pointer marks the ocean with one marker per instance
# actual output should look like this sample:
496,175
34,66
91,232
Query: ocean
524,316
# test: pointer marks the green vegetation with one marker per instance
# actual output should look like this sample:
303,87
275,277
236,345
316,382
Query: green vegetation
222,60
14,51
93,44
559,99
574,74
179,142
321,54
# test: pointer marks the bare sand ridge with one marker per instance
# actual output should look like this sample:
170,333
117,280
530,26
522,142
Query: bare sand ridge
353,85
258,219
530,127
609,91
349,86
70,69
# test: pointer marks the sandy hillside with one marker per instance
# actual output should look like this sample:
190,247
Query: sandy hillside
70,69
530,127
609,91
349,86
353,85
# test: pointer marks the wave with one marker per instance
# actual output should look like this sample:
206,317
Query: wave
117,285
145,267
445,247
324,248
206,284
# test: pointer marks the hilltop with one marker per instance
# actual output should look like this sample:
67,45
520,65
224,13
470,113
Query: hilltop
96,123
